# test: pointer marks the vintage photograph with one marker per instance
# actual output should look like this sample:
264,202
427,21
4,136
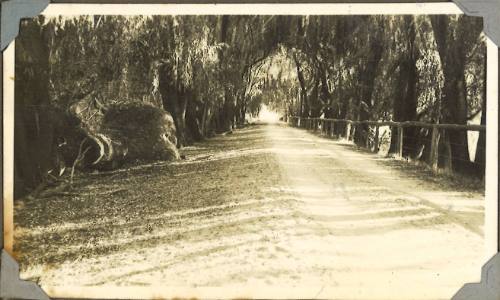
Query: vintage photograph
340,154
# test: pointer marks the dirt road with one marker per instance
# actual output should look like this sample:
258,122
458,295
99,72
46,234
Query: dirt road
266,211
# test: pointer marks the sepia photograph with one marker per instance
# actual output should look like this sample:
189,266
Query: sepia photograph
338,156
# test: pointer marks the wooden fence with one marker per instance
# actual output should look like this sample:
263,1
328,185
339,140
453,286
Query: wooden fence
328,127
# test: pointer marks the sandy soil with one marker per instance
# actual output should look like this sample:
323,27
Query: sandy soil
266,206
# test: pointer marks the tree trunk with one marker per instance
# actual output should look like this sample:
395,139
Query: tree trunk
453,50
173,100
204,118
405,103
480,158
368,73
194,120
34,128
304,109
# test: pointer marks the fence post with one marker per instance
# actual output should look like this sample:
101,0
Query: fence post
332,128
347,130
434,155
375,140
367,142
400,141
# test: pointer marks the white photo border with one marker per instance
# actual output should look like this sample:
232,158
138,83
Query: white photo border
71,9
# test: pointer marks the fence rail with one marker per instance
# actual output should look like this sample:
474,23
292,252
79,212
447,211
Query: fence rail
328,125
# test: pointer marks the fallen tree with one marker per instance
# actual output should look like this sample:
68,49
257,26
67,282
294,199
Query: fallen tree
120,132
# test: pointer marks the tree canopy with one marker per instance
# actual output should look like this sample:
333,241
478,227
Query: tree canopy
211,72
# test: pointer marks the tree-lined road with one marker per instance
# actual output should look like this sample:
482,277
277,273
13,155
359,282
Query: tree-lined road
278,207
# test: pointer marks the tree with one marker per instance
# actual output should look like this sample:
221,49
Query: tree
406,99
455,38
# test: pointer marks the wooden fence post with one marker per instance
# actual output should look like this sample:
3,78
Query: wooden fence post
375,140
367,142
332,128
400,141
434,155
347,130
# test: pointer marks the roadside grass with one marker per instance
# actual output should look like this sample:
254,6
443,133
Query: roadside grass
443,178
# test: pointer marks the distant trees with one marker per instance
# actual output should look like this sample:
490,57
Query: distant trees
210,72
